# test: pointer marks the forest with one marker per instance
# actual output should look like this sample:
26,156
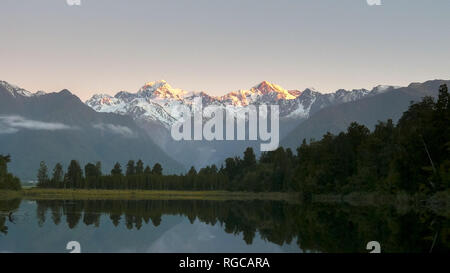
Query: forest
412,156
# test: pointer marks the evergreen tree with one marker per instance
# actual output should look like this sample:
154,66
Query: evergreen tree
90,170
7,180
74,175
157,169
139,167
148,170
249,158
98,167
230,168
42,175
4,160
131,169
214,169
117,170
58,175
192,171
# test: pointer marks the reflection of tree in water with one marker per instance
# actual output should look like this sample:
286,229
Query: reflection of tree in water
318,228
348,229
7,208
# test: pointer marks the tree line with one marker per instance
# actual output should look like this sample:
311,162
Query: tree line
412,156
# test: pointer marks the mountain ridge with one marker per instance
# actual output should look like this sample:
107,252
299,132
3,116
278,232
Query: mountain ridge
158,101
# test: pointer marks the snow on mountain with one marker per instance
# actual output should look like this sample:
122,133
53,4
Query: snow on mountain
263,92
161,90
158,101
383,88
17,91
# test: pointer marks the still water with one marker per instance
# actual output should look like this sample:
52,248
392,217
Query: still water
215,226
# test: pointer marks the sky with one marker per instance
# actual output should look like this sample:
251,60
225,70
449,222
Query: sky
218,46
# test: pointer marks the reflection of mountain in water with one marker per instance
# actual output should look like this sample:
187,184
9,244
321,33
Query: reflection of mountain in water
187,226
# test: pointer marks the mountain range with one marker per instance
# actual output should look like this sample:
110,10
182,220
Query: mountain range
57,127
158,101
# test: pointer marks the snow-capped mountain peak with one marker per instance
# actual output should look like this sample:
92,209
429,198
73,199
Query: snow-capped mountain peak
161,89
156,84
266,87
15,90
264,92
383,88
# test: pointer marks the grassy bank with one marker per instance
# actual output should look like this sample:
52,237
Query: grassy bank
7,194
43,194
439,202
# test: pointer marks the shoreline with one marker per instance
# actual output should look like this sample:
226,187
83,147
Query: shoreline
84,194
439,201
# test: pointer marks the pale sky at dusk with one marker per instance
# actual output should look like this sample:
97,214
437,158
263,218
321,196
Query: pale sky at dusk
217,46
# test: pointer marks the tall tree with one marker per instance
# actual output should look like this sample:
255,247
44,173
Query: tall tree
4,160
157,169
42,175
192,171
98,167
131,169
74,174
249,158
148,170
139,167
117,170
7,180
58,175
90,170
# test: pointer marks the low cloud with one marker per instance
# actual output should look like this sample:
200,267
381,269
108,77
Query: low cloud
115,129
13,124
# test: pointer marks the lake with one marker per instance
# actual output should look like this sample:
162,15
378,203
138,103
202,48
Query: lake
215,226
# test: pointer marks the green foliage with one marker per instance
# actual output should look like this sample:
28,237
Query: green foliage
58,174
157,169
139,167
7,180
117,170
249,158
147,170
74,176
192,171
131,169
42,175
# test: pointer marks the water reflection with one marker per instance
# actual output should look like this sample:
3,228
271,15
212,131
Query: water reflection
216,226
7,208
